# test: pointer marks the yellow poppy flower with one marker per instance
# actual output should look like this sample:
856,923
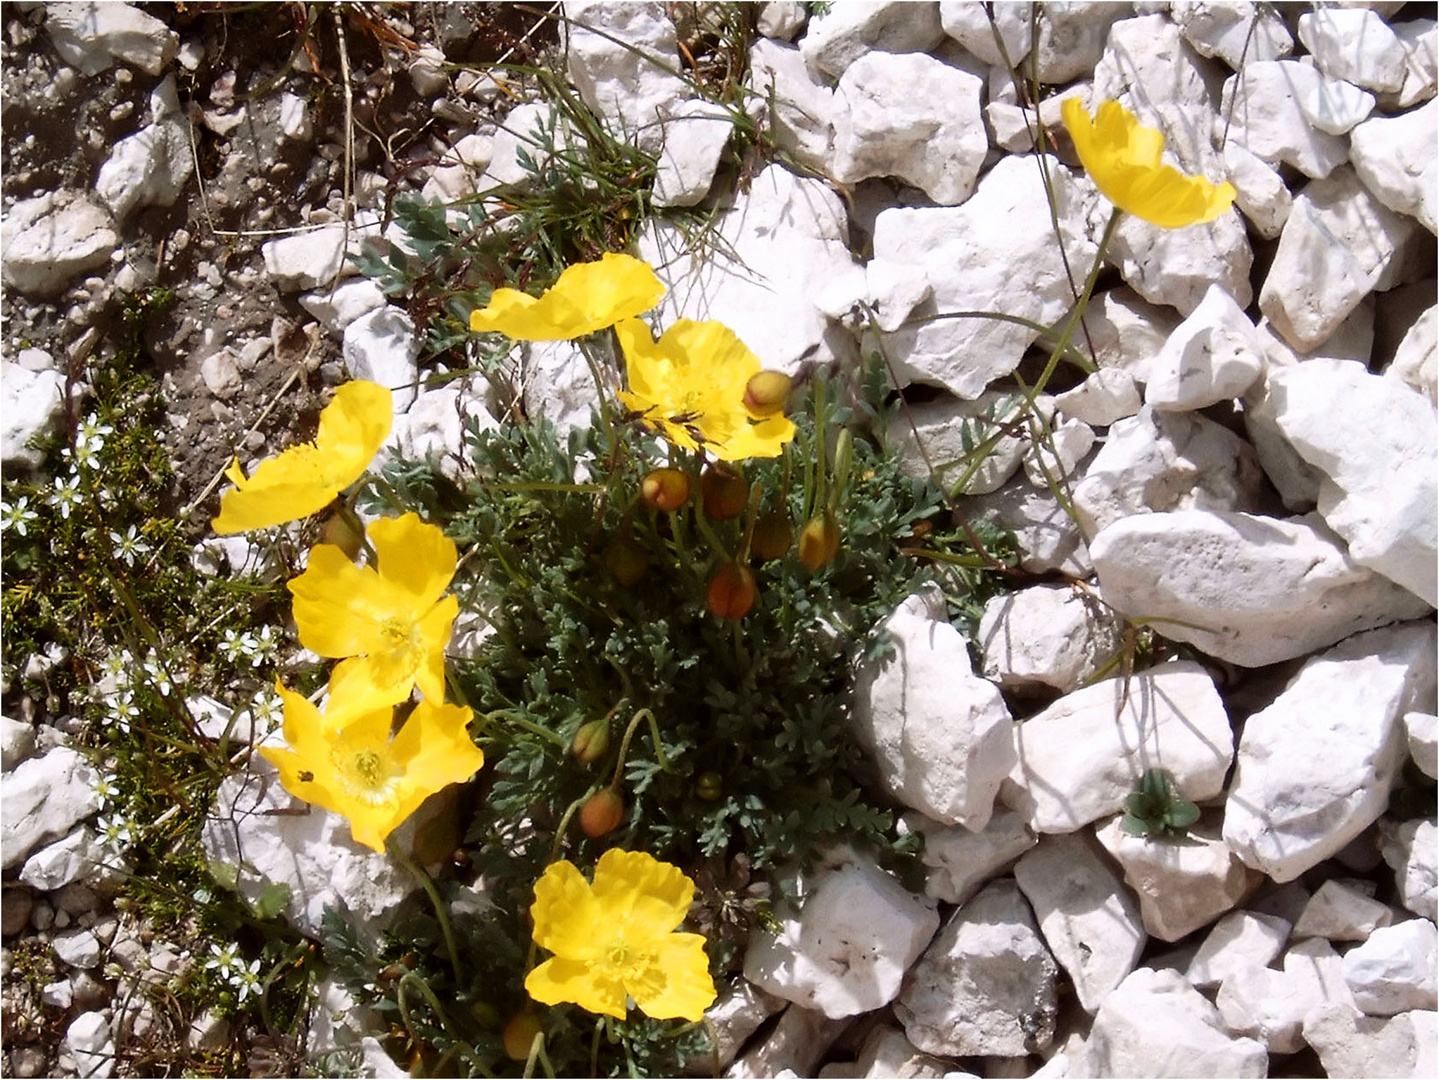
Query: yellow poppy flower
305,478
587,297
396,617
355,769
615,939
690,387
1122,158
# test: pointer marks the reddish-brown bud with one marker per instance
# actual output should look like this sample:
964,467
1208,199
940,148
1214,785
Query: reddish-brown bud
519,1034
773,534
819,541
591,741
602,813
766,393
626,560
725,492
665,489
731,592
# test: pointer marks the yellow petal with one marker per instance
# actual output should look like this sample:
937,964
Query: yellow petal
561,980
565,913
587,297
434,630
416,557
435,749
765,439
647,897
354,426
339,607
678,983
353,690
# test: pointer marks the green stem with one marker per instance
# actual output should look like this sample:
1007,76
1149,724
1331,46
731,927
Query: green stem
524,725
1079,308
642,714
405,859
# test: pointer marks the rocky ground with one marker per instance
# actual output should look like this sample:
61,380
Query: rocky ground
1251,471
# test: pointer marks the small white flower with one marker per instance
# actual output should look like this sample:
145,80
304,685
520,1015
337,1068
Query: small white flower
263,645
234,646
66,495
159,679
117,666
225,959
17,515
247,979
105,789
116,831
86,455
130,546
122,710
268,710
91,433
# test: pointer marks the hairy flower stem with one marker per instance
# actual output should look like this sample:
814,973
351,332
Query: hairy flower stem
442,913
642,714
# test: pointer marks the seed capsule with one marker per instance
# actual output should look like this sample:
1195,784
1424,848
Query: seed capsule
766,393
665,489
591,741
725,493
731,592
709,785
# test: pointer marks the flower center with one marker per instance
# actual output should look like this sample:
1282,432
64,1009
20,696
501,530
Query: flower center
623,962
368,776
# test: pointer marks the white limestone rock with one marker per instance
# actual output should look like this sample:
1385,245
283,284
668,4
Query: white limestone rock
94,36
88,1038
985,984
802,109
1236,32
695,136
1416,360
616,49
1261,107
792,1048
969,444
1177,266
79,856
31,404
1379,488
1356,45
737,1014
1156,1024
1340,913
780,268
1352,1044
1250,590
1239,939
1296,481
1128,331
1072,36
1213,355
1339,244
842,33
1314,768
461,169
149,168
1050,635
1182,884
1108,395
50,239
1080,759
434,426
1268,1005
43,798
1411,850
1420,40
959,860
1392,156
1423,731
968,254
846,951
966,23
306,260
17,742
1259,191
1165,461
1047,537
382,347
1334,106
1089,920
524,128
886,1052
1053,455
557,384
1393,971
911,117
781,19
941,735
335,309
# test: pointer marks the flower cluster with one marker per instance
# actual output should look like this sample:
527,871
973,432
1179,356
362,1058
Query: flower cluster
227,963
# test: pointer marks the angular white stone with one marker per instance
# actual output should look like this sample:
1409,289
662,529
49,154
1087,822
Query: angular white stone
337,308
1260,192
781,19
968,253
969,444
1352,1044
886,1052
1047,537
31,403
942,735
461,169
149,168
1415,361
1420,39
306,260
1379,490
1261,107
967,24
1164,461
1087,917
50,239
1423,731
1054,455
1072,36
802,117
1296,481
1270,1005
1334,106
1051,635
435,425
1239,939
1213,355
43,798
1314,768
695,136
382,347
1393,971
1247,589
842,33
1354,44
616,49
17,741
847,950
1339,913
78,948
1237,32
1156,1024
77,857
1392,156
1411,850
1182,884
1177,266
736,1015
911,117
1108,395
985,984
792,1048
93,36
557,384
1128,331
88,1037
959,860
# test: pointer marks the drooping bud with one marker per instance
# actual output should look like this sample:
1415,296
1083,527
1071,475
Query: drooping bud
665,489
626,560
766,393
519,1034
725,492
602,813
773,534
731,591
819,541
591,741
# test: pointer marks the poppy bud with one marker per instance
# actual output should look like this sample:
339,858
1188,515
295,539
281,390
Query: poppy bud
626,560
519,1034
725,493
591,741
766,393
340,530
731,592
602,813
772,537
819,541
665,489
709,786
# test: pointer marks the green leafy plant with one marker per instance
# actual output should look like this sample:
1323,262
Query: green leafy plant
1155,808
